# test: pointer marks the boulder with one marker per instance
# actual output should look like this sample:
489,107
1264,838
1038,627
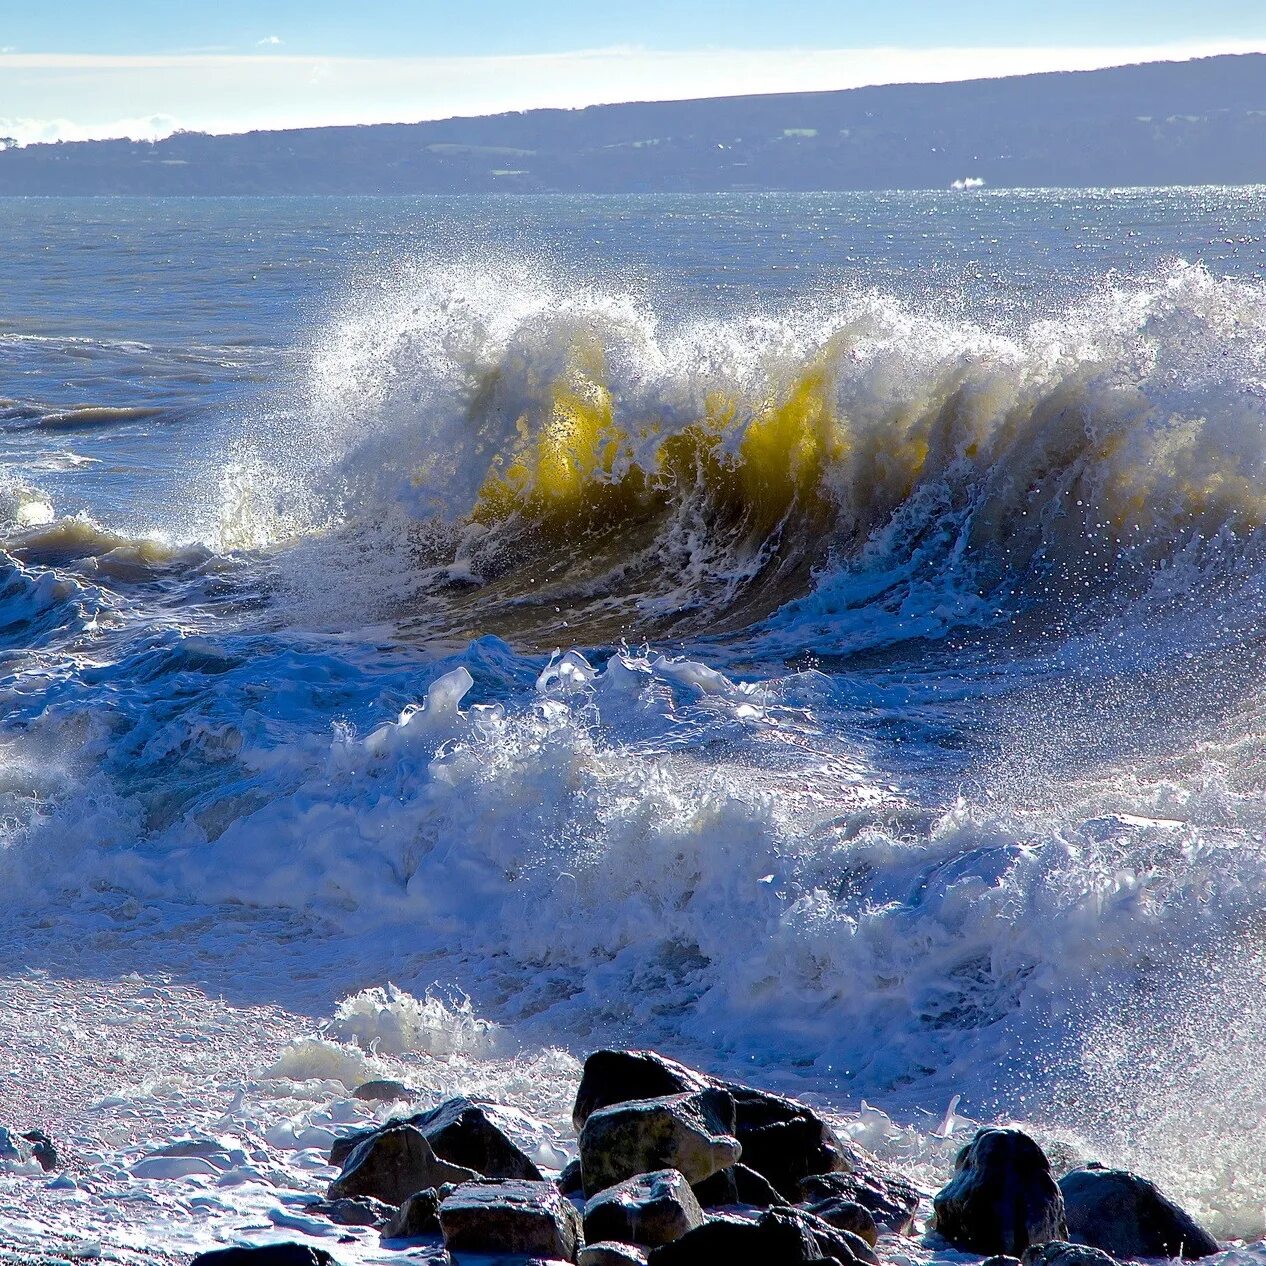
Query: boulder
692,1133
42,1149
352,1211
1061,1253
463,1132
651,1209
288,1254
611,1253
891,1198
782,1139
844,1246
1002,1197
847,1215
737,1185
779,1236
1001,1259
383,1091
1128,1216
418,1216
569,1181
392,1164
510,1216
611,1077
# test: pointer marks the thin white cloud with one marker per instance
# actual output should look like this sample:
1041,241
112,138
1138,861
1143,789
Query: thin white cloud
83,96
270,41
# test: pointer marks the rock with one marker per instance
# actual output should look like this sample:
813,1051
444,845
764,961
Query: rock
612,1077
14,1148
352,1211
847,1215
777,1238
383,1091
782,1139
737,1185
891,1198
692,1133
569,1180
1001,1259
392,1164
288,1254
611,1253
1061,1253
511,1216
651,1209
844,1246
42,1149
1128,1216
462,1131
418,1216
1002,1197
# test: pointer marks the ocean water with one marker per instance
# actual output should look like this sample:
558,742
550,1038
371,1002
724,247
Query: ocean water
817,636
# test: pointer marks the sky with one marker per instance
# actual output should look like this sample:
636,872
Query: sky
80,69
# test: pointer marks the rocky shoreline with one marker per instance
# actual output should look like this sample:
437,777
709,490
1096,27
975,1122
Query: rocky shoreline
678,1168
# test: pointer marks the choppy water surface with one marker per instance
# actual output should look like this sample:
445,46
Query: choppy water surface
820,636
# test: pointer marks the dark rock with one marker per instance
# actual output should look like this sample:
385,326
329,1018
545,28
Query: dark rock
783,1139
847,1215
418,1216
650,1209
288,1254
778,1237
352,1211
383,1091
844,1246
1128,1216
569,1181
730,1242
1001,1259
392,1164
609,1253
737,1185
692,1133
42,1149
617,1076
1002,1197
461,1131
1061,1253
891,1198
342,1148
511,1216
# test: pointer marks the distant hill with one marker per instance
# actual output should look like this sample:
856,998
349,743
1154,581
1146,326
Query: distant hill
1195,122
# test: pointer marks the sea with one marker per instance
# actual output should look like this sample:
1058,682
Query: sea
819,637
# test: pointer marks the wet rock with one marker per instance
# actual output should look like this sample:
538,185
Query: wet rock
569,1181
692,1133
778,1237
392,1164
418,1216
510,1216
782,1139
463,1132
738,1185
42,1149
288,1254
847,1215
844,1246
650,1209
1002,1197
352,1211
1001,1259
611,1253
612,1077
891,1198
383,1091
1061,1253
1128,1216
